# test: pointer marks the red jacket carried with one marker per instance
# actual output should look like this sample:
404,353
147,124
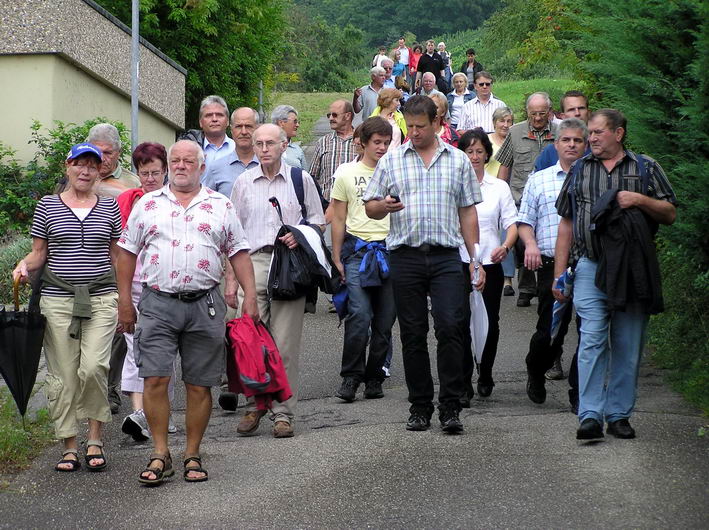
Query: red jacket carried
254,366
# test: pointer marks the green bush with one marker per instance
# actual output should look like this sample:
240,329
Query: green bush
12,250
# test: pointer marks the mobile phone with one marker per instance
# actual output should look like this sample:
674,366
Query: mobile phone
395,197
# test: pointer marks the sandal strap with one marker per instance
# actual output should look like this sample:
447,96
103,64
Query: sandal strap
197,459
97,443
71,452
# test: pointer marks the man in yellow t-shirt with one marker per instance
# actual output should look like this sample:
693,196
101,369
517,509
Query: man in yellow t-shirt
359,252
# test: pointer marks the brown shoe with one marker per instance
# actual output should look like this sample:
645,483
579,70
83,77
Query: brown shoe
282,429
249,422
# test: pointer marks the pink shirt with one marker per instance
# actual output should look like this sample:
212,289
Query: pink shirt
183,247
260,220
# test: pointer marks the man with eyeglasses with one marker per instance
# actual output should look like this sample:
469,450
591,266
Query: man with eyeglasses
520,149
286,117
284,318
364,99
478,111
431,61
388,66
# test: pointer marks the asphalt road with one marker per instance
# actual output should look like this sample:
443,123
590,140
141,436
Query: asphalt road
354,465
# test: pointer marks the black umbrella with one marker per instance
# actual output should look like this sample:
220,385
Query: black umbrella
21,337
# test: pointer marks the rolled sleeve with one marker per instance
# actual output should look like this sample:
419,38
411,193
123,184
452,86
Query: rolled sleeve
660,187
235,237
505,155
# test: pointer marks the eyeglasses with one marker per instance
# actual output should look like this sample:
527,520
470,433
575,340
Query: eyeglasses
539,114
388,68
294,120
270,144
484,84
332,115
154,174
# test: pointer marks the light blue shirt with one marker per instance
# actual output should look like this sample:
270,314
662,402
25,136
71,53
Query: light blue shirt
221,175
294,155
538,206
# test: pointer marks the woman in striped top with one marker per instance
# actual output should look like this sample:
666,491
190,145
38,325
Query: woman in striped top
74,238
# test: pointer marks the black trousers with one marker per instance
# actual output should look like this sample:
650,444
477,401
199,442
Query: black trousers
526,280
542,351
492,294
115,367
437,272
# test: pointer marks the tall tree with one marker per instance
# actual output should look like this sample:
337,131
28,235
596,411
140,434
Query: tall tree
227,46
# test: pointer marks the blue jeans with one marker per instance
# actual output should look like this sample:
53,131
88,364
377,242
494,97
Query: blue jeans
508,264
370,307
610,347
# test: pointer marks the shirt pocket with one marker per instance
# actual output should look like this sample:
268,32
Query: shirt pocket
632,183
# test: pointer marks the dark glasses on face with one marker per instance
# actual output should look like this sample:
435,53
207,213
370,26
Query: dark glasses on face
484,84
332,115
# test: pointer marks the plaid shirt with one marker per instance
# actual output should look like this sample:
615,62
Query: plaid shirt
330,152
431,196
594,181
538,208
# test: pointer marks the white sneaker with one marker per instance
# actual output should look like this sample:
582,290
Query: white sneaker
136,426
171,427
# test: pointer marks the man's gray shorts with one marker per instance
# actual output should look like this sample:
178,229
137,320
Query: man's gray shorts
167,326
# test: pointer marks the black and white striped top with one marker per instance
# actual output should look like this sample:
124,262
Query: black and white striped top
79,251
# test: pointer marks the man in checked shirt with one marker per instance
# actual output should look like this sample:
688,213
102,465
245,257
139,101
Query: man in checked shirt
538,224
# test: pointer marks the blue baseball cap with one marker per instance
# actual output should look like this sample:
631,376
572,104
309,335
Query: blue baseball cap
84,149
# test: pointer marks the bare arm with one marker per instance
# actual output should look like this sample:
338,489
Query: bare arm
561,254
504,173
500,253
470,230
125,269
244,271
231,286
532,254
379,208
663,212
355,99
33,261
339,214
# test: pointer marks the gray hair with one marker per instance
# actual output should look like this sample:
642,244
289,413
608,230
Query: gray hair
430,74
387,60
501,112
543,95
281,112
200,153
257,117
105,133
210,100
460,74
377,70
572,123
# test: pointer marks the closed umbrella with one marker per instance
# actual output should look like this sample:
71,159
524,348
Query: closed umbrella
21,337
478,318
565,284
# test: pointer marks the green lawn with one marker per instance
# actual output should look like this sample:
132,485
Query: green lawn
310,107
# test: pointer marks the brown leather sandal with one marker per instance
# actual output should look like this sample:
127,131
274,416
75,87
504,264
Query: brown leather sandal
161,473
198,469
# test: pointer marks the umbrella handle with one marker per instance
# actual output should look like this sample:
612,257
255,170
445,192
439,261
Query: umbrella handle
16,292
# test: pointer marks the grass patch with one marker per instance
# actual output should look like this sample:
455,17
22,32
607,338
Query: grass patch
13,247
17,445
310,107
515,93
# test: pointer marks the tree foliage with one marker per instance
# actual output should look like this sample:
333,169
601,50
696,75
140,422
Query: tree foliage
384,22
227,46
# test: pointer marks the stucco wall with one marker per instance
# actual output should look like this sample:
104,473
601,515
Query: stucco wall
49,87
90,37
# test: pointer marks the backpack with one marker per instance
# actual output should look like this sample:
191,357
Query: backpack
296,176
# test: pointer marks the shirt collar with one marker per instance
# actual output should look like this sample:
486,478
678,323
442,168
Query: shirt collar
237,160
558,170
488,179
228,142
282,172
545,133
442,146
203,194
116,173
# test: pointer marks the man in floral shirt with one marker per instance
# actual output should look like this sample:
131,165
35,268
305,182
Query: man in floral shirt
185,230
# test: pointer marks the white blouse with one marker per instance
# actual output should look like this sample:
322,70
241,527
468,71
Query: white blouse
497,211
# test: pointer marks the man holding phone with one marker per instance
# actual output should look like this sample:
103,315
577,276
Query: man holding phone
434,214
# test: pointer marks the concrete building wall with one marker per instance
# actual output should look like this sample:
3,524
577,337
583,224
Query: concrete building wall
48,87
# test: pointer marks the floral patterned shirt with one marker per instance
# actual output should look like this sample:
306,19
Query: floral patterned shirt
183,247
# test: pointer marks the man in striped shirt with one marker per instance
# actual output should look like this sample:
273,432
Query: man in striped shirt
335,148
538,225
478,111
429,191
611,340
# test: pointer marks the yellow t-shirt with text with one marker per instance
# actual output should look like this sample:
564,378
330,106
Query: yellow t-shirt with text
351,181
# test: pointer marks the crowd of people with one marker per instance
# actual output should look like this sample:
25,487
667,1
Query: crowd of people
438,192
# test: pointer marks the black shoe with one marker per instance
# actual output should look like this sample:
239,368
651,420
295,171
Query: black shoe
508,290
621,429
450,422
536,391
590,429
348,389
418,421
228,401
373,390
485,389
524,300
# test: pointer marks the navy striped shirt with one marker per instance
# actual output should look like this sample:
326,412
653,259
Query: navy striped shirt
78,251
